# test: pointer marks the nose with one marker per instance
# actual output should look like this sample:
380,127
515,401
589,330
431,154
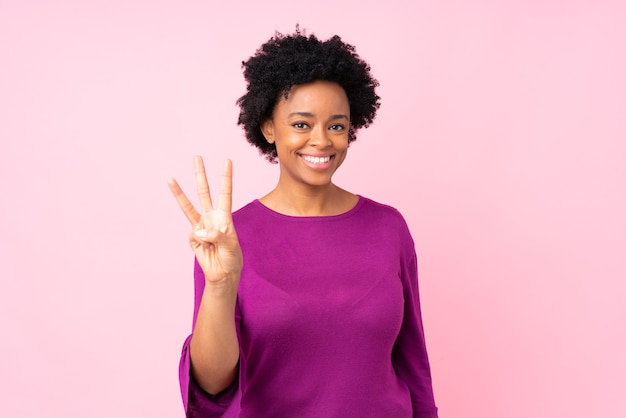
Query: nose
320,138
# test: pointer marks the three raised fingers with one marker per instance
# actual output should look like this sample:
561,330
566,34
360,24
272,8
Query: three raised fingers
226,191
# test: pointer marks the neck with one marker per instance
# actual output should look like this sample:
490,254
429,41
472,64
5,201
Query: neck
325,200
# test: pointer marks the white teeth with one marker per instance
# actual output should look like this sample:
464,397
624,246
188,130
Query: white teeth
316,160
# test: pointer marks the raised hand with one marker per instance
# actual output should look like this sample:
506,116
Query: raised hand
213,237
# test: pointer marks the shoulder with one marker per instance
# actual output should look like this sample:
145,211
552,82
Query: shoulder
386,220
249,213
246,209
382,212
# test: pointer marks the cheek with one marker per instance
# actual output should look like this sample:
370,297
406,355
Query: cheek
341,145
341,155
283,145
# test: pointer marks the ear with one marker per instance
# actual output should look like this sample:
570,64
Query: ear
267,128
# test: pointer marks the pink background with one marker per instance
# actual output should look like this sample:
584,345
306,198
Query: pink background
502,139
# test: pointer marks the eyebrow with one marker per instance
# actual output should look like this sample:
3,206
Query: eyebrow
310,115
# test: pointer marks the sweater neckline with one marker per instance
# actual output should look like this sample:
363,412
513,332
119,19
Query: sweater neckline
294,218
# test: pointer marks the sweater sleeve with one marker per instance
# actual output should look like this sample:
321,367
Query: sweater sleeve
409,356
196,401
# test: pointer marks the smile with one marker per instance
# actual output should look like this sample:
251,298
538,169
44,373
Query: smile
316,160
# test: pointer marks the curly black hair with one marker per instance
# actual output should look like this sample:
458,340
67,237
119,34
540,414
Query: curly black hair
287,60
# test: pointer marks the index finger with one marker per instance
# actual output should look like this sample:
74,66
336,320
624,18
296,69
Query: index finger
187,207
226,189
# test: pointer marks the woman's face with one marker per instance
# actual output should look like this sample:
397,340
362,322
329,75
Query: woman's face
310,130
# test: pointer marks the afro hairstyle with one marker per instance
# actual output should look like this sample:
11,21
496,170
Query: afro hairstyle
287,60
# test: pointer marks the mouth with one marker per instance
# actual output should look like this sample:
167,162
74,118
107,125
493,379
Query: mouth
317,160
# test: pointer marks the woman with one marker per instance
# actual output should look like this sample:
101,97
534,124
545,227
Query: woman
306,299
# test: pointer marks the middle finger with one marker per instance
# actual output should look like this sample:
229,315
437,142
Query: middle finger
202,185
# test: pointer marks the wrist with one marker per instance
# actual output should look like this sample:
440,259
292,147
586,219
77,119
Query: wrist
224,287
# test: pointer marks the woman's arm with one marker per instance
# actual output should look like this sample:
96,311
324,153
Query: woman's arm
409,356
214,347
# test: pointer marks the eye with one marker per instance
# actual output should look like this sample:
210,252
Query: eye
337,127
300,125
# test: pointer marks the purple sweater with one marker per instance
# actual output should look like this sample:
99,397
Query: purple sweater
328,319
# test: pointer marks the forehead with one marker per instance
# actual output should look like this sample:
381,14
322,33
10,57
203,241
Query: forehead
317,95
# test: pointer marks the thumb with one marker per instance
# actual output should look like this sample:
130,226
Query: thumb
207,236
